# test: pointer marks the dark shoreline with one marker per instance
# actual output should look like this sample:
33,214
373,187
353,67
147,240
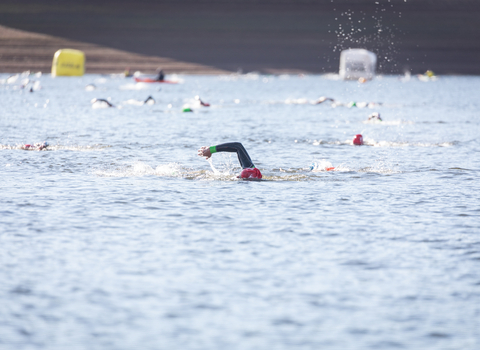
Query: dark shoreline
267,36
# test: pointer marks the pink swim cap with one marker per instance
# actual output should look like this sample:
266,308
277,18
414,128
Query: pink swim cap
358,140
251,173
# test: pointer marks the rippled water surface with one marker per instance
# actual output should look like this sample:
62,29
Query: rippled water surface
119,236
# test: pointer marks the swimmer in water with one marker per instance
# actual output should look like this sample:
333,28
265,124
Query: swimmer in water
35,147
249,171
375,117
101,102
323,99
149,101
204,104
160,75
127,73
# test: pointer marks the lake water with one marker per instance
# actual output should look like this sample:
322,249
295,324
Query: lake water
119,236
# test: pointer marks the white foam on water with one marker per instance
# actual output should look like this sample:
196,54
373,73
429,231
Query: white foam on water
331,76
140,169
171,169
380,167
133,102
297,101
372,142
320,165
80,148
136,86
388,122
12,79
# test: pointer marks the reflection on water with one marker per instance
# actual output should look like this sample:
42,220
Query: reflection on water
119,236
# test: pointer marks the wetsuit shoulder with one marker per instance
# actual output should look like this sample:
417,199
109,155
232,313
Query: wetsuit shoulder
237,147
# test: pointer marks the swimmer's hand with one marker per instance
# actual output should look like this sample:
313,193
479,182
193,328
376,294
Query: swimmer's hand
204,152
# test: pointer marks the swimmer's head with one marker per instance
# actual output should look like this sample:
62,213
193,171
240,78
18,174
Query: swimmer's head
42,146
251,173
358,140
375,115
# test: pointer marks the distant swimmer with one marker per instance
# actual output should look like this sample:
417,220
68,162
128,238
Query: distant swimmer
249,171
428,76
101,103
35,146
149,101
204,104
25,82
358,140
375,117
429,73
30,85
160,75
323,99
127,73
363,104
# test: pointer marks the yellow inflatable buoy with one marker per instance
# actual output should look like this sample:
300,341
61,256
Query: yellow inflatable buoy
68,62
429,73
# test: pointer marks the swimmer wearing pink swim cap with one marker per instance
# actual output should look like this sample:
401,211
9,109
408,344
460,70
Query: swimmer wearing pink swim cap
358,140
249,171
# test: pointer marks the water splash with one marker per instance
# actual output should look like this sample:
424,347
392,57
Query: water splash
215,171
321,165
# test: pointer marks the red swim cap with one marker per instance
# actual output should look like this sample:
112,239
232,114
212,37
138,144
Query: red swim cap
358,140
251,173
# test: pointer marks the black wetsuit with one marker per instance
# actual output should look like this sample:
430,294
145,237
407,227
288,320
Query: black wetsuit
237,147
103,100
160,76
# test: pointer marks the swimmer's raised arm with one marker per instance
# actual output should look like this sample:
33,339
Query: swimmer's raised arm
236,147
242,155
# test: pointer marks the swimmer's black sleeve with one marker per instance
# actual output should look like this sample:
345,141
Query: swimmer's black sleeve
237,147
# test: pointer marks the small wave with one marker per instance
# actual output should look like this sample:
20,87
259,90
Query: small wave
379,169
323,167
137,86
86,148
331,76
371,142
239,76
289,177
57,147
297,101
389,122
134,102
142,169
